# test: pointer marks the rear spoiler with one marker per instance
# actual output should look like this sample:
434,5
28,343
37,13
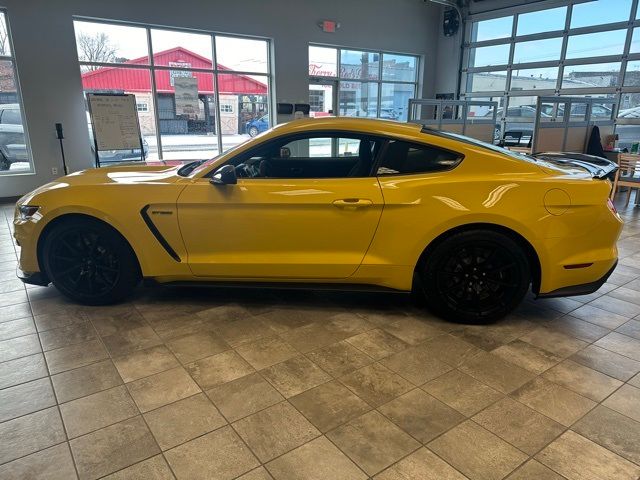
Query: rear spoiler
598,167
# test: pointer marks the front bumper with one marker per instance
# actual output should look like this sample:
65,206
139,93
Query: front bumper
33,278
584,289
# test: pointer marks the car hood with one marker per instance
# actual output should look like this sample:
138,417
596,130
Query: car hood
134,174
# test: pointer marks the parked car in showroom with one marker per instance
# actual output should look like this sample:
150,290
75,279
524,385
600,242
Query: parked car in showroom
469,225
13,148
257,125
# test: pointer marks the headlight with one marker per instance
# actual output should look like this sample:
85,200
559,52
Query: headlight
27,211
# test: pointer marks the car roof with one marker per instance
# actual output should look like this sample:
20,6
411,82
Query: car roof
364,125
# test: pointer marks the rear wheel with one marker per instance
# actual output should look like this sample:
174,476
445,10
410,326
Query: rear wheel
475,276
253,131
90,262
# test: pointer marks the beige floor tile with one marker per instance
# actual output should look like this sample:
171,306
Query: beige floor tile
69,335
329,405
554,401
17,328
489,337
54,463
554,342
183,420
615,305
609,363
626,294
75,356
96,411
450,349
631,328
154,468
376,384
580,329
143,363
583,380
612,430
495,372
417,364
259,473
194,460
23,369
162,388
190,348
113,448
49,321
462,392
621,344
218,369
477,453
115,319
19,347
635,381
244,330
84,381
421,415
244,396
519,425
592,314
13,312
577,458
527,356
295,375
372,442
340,358
266,352
275,430
534,470
26,398
30,433
626,400
421,465
130,340
317,460
411,330
311,337
377,343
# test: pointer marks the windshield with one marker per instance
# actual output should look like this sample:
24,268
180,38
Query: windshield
203,164
481,144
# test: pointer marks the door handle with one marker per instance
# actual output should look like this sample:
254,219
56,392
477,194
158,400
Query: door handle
352,203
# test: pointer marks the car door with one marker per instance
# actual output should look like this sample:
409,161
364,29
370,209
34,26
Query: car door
304,207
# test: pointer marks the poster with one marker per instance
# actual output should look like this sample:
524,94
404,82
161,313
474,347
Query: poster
115,121
186,94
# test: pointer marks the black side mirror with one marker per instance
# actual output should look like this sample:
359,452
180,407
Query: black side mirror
225,176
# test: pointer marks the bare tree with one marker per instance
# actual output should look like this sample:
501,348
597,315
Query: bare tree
95,48
4,39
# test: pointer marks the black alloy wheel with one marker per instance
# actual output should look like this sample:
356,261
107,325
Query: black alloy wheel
476,276
90,262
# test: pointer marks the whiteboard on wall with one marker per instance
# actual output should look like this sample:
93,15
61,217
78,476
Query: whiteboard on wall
114,121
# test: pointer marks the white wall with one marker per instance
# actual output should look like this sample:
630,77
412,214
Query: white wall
44,45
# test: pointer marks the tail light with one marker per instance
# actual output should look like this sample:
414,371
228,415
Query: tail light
611,206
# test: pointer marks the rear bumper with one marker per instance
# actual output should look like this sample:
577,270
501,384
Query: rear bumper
33,278
583,289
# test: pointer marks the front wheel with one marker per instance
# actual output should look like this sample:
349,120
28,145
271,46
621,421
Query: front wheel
253,131
475,277
90,262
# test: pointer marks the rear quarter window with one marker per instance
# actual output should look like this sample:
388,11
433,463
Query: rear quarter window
405,158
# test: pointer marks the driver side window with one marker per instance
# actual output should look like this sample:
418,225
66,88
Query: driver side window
318,155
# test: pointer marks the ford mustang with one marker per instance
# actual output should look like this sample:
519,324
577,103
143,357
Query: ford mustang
346,202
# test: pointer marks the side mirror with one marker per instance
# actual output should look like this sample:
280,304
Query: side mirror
225,176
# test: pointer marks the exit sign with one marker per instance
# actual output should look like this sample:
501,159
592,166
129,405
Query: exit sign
329,26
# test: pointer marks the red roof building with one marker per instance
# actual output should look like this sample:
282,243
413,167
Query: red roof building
138,80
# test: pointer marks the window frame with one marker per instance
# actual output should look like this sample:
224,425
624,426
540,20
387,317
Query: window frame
379,81
11,57
617,90
385,147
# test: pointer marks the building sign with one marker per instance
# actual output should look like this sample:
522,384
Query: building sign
186,96
316,70
173,74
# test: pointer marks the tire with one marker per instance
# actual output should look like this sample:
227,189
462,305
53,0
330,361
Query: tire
4,163
253,131
476,276
90,262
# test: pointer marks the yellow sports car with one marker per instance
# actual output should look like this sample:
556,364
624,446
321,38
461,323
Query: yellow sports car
349,202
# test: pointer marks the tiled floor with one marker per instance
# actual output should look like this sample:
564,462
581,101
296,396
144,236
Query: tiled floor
255,384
